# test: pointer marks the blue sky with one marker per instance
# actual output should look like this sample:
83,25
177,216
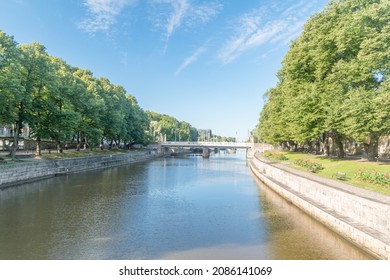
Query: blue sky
205,62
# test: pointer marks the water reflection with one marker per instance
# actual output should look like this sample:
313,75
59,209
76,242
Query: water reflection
174,208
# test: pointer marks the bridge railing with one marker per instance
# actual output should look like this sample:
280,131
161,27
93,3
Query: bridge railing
206,144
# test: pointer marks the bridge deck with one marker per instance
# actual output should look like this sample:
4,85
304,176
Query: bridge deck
207,144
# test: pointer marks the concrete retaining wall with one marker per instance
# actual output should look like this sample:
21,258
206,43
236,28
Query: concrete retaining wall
25,172
359,217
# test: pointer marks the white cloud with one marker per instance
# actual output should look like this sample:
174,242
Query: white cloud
174,14
102,14
180,8
256,28
191,59
203,13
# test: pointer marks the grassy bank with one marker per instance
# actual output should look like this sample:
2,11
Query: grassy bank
82,153
23,157
373,176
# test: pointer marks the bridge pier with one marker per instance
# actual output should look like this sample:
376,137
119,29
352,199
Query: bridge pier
205,152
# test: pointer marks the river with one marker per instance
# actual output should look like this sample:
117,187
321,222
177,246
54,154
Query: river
170,208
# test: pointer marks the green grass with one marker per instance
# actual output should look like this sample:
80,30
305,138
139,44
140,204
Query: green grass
6,159
349,167
82,153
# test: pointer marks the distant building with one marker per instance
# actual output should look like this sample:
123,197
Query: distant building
8,131
6,134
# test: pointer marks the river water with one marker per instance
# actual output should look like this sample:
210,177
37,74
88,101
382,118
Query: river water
170,208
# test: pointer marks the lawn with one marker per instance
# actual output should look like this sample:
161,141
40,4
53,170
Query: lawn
347,170
81,153
5,158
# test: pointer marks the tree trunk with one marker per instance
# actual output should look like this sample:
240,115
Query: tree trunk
327,146
78,142
38,150
337,138
339,143
317,147
371,148
15,143
102,144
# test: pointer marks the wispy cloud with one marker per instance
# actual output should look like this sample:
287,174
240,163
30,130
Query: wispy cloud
256,28
179,10
191,59
102,14
173,14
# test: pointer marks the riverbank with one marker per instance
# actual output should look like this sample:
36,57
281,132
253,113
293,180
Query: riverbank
37,169
359,215
355,171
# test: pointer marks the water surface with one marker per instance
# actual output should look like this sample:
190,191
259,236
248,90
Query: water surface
171,208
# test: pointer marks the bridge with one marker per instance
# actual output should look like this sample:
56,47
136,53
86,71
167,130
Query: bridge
206,145
228,145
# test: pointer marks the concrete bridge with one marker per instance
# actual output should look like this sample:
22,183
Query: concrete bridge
235,145
206,145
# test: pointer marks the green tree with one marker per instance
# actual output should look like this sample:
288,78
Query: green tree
91,107
12,97
37,75
341,60
138,122
61,119
10,89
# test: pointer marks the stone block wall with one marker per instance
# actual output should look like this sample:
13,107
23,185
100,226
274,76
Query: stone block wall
11,174
363,220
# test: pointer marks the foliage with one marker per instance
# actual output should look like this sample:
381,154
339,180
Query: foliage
334,80
309,164
10,88
373,176
64,103
168,128
275,155
333,166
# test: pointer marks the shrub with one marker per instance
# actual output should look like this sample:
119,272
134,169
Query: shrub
311,165
373,176
275,155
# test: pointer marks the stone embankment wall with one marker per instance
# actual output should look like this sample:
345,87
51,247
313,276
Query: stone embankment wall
358,215
29,171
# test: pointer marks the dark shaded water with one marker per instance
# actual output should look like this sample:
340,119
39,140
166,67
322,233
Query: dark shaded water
174,208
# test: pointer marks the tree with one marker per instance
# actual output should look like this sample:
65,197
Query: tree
137,122
64,103
90,105
9,79
11,91
62,120
171,128
331,79
37,80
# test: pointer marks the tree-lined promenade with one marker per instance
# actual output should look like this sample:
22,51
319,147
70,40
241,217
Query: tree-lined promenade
334,81
60,102
65,104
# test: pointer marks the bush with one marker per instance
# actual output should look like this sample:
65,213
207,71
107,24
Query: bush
275,155
373,176
311,165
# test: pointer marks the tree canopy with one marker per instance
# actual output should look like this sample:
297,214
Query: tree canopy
165,127
334,80
64,103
